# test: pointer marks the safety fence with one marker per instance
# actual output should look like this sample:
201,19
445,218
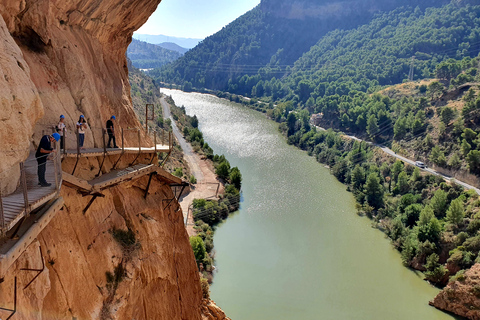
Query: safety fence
94,138
30,194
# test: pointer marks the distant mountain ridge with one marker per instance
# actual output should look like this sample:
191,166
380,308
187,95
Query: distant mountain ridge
147,56
160,38
173,46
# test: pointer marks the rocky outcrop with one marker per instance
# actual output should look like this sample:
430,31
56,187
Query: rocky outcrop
20,107
462,297
93,273
63,57
210,311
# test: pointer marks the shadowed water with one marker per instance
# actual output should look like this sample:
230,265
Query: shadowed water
297,249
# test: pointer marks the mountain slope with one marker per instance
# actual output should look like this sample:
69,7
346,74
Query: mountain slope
274,34
173,46
160,38
145,55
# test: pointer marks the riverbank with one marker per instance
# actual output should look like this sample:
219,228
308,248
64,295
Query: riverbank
207,185
214,186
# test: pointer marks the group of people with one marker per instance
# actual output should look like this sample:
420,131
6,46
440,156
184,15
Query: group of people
45,146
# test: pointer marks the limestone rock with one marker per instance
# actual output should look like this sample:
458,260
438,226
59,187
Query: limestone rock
462,297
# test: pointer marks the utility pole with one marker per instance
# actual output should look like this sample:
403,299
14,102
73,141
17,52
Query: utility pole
410,74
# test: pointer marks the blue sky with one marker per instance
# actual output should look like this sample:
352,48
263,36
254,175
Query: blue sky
194,18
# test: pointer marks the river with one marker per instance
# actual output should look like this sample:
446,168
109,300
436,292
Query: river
297,249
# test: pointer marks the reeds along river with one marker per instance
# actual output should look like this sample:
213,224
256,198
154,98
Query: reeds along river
297,249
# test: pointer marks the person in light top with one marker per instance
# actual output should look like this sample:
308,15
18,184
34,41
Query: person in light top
81,127
60,128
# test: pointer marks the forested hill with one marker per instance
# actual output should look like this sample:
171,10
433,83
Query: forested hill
274,34
145,55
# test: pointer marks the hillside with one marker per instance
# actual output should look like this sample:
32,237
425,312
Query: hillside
160,38
173,46
267,40
146,56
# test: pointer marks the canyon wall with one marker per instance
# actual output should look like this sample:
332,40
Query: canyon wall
63,57
68,57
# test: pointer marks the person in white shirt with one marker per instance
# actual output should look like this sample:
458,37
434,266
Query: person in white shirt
60,128
81,126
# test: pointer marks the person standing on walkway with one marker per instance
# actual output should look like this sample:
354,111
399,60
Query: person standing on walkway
43,150
81,126
111,132
60,128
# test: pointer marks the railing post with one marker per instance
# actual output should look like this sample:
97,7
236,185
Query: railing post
64,140
123,145
104,144
163,137
78,141
155,140
55,166
139,142
2,217
24,187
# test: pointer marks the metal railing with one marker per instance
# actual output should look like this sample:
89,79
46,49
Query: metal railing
29,195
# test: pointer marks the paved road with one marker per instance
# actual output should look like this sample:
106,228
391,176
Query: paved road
186,147
412,162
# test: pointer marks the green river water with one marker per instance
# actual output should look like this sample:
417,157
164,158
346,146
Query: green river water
297,249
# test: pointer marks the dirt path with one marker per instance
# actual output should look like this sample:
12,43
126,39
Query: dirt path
207,186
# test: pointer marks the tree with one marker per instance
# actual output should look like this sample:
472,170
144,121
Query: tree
439,203
466,147
447,114
372,126
455,212
223,170
358,177
435,89
454,161
194,121
397,168
435,271
426,215
236,177
291,122
198,248
473,161
402,183
374,191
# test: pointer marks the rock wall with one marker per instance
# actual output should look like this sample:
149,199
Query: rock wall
462,297
68,57
63,57
158,277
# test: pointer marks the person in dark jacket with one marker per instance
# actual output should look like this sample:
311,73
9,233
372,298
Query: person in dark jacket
43,150
111,132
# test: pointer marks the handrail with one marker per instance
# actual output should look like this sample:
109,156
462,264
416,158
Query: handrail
23,189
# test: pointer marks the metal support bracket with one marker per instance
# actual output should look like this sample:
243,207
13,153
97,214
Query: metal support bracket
14,310
39,271
95,196
148,184
183,185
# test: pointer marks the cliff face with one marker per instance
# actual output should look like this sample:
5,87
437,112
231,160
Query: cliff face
462,297
68,57
64,57
153,278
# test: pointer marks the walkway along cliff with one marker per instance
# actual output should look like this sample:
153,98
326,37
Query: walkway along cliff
107,239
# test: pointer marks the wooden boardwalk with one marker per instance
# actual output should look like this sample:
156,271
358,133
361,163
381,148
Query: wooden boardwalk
14,204
98,152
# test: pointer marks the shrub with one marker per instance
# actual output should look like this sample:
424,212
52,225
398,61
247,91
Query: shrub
198,247
205,288
178,172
